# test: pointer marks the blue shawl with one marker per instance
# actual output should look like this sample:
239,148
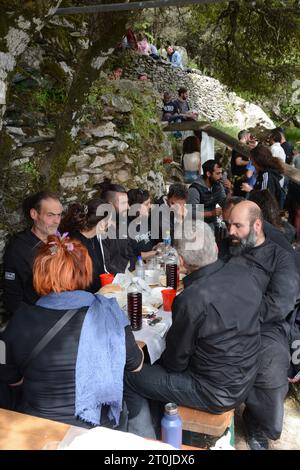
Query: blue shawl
101,353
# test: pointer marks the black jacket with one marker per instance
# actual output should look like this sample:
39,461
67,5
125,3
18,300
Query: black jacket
270,179
94,249
199,193
120,250
215,333
275,269
18,261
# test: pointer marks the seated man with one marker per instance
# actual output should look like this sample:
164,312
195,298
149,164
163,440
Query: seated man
44,210
182,103
170,212
276,273
210,360
208,190
121,252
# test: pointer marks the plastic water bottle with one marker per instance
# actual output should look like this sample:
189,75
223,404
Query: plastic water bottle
139,268
171,426
134,306
167,243
220,228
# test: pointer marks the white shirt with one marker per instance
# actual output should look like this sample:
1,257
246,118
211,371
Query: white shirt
278,152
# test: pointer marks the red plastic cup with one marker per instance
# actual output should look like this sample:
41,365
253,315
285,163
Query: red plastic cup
106,278
168,296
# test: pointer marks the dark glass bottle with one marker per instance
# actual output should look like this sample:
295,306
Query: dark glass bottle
171,272
134,307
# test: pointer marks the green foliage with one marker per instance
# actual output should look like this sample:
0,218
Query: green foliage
293,135
192,64
31,169
49,100
250,46
231,130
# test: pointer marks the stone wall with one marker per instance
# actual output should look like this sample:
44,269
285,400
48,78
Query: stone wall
212,100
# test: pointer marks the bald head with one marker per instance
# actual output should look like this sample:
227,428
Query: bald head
245,227
247,210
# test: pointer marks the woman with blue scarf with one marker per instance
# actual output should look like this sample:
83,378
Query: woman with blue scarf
77,377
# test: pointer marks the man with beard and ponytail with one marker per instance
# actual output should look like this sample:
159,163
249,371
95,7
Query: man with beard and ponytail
276,273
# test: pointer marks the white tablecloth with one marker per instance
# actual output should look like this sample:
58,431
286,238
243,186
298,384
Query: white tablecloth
154,336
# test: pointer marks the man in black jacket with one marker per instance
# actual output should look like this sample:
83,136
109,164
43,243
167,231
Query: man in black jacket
45,210
210,360
275,271
121,251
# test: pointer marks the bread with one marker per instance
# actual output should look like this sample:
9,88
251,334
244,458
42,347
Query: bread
163,280
110,288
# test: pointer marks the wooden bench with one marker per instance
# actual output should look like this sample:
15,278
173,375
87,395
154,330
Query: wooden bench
210,424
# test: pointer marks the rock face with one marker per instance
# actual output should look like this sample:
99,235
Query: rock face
212,100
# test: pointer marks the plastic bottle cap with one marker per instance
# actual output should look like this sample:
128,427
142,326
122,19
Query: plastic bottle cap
171,408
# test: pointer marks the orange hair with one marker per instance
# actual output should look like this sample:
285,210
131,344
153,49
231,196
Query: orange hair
62,264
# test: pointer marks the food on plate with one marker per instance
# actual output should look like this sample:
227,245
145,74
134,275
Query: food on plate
110,288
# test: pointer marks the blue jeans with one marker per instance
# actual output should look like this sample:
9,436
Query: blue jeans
155,383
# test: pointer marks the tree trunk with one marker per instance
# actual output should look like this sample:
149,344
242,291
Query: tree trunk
104,32
20,20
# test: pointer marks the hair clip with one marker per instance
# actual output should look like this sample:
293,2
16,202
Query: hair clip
62,236
85,209
70,246
53,248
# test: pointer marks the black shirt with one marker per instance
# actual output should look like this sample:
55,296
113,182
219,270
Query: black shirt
215,333
140,238
120,248
49,380
199,193
170,108
269,179
289,151
18,262
238,173
94,249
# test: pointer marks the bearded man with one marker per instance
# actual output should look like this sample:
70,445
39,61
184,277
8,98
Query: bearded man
208,190
275,271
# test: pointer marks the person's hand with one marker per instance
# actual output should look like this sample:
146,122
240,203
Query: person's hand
158,246
217,212
246,187
227,184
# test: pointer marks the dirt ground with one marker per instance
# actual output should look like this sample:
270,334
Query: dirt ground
290,437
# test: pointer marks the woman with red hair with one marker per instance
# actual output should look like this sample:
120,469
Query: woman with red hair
71,348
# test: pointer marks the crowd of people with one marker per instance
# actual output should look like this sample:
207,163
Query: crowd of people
233,325
226,346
